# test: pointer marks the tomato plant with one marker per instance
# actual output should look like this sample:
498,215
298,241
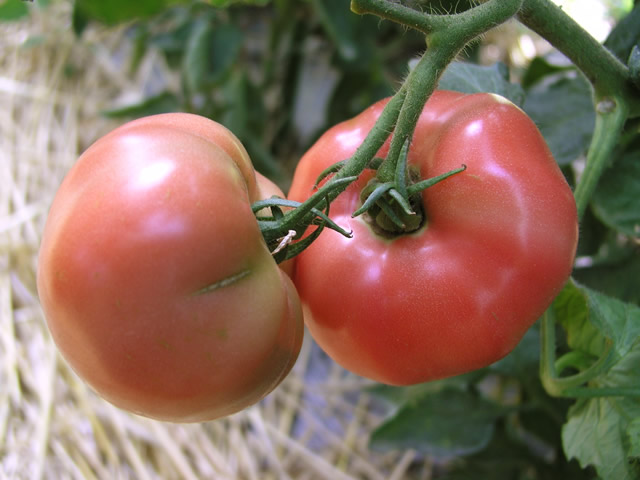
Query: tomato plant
421,284
156,283
496,246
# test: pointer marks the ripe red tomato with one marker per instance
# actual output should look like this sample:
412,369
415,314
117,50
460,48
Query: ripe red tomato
459,293
154,277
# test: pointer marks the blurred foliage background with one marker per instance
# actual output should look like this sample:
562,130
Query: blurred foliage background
278,73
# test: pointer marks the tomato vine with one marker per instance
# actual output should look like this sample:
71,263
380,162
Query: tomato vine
616,100
593,361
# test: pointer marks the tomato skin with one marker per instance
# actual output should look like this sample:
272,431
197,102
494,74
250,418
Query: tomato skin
150,216
460,293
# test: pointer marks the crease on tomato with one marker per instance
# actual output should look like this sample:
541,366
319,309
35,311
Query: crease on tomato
225,282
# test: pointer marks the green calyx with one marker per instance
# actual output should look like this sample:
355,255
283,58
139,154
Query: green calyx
286,221
396,207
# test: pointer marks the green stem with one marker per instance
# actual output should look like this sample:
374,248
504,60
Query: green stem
574,359
611,115
445,40
548,371
564,386
590,392
299,218
421,82
400,14
615,97
376,137
606,73
466,26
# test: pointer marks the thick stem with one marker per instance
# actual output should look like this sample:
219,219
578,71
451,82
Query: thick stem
299,218
376,137
399,13
615,97
608,75
597,392
548,372
564,386
611,115
453,33
421,82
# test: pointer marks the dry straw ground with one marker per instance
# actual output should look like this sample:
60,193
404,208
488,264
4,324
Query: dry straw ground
314,426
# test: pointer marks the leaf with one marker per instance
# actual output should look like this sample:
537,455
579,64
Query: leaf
562,108
173,29
12,10
619,279
226,43
523,360
633,431
398,397
471,78
572,313
211,51
618,321
447,423
339,25
596,432
625,35
228,3
616,201
509,457
196,55
164,102
591,318
115,11
540,67
246,116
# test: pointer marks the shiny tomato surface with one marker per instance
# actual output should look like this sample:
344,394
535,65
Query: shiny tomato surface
155,281
497,246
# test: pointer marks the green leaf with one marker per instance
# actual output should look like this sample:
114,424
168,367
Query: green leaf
398,397
197,53
523,360
633,431
510,457
562,108
617,277
592,318
472,78
172,31
540,67
164,102
616,201
338,23
226,43
112,12
625,35
12,10
598,430
211,51
447,423
634,65
618,321
246,116
573,314
227,3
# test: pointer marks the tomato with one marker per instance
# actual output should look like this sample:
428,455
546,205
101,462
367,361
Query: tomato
458,294
155,280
